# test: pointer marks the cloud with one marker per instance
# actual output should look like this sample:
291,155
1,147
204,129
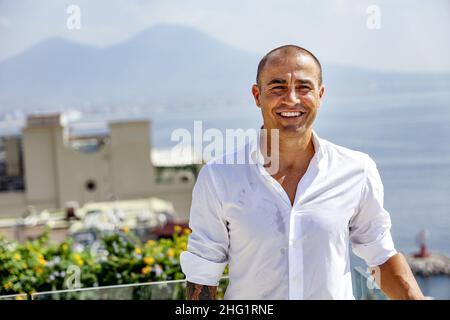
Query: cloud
5,23
167,12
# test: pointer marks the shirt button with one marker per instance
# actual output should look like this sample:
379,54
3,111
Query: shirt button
282,250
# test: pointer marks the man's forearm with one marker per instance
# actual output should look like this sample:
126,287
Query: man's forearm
200,292
397,279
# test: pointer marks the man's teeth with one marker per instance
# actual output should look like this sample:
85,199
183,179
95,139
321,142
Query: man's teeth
291,114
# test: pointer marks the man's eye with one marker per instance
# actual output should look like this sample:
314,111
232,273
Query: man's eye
277,87
303,88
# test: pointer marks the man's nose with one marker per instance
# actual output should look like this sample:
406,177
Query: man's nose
292,96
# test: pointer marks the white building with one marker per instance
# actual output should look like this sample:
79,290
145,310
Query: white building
46,167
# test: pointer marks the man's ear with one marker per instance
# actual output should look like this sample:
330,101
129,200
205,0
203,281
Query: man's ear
321,93
256,95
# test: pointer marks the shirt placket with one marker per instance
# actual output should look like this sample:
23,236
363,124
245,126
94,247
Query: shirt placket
295,254
295,261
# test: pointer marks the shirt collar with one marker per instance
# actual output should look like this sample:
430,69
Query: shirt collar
256,156
318,146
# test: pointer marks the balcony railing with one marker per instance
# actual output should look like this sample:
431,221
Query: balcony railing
15,297
365,289
164,290
365,286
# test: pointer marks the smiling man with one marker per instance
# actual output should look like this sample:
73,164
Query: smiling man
286,233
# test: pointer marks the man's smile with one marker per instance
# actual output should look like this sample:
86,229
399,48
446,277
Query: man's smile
294,115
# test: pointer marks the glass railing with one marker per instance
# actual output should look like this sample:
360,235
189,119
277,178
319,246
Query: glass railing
15,297
164,290
365,286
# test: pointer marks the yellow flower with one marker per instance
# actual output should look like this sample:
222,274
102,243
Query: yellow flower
41,260
65,247
7,285
39,270
177,229
19,298
78,260
170,252
138,250
187,231
17,256
183,246
126,229
149,260
150,242
146,270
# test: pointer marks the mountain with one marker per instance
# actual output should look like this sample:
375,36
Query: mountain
164,65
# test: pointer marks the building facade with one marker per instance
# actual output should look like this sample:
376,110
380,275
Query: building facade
46,167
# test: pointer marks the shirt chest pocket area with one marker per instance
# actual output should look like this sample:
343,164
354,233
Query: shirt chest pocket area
321,225
257,217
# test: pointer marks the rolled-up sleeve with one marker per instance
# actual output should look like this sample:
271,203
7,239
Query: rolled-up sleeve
207,251
370,226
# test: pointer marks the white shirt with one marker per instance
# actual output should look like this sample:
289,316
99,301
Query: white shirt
241,216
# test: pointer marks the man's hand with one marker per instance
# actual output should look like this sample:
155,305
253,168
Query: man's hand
200,291
397,280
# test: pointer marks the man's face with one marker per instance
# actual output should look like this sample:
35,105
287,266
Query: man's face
289,93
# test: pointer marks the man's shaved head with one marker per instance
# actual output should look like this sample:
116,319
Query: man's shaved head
287,50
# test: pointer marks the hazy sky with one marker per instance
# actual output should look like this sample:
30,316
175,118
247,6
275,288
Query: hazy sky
413,34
